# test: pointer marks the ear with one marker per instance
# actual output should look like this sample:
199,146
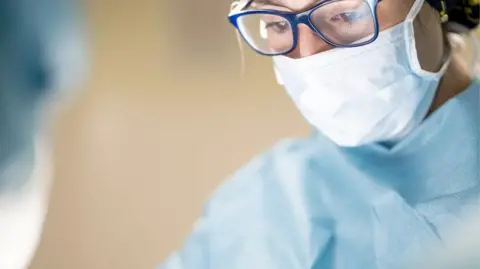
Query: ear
456,41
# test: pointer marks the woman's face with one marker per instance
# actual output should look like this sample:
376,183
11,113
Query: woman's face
428,32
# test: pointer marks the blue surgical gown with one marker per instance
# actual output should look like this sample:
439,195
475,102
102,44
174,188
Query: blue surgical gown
309,204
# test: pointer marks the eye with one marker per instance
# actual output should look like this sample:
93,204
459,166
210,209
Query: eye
351,16
347,17
278,27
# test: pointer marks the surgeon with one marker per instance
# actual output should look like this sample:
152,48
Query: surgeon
393,162
42,60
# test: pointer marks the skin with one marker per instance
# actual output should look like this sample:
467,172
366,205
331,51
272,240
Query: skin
431,42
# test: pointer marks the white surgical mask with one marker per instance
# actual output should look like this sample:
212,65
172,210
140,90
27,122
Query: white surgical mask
368,94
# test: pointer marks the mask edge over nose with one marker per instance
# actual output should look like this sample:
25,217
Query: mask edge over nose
278,76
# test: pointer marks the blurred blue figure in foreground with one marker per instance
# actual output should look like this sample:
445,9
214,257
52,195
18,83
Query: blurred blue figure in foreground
41,54
393,164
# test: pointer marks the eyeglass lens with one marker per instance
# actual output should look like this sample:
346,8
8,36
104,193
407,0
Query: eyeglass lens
340,22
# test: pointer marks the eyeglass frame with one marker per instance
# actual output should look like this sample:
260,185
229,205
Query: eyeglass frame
303,17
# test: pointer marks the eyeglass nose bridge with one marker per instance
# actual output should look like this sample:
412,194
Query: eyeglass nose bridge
304,18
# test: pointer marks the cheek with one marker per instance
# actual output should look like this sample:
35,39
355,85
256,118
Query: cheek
392,12
428,32
430,40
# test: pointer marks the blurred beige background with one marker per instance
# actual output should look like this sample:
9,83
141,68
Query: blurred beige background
164,118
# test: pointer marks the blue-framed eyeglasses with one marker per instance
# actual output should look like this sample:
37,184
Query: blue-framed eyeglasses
340,23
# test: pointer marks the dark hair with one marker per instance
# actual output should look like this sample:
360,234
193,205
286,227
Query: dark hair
464,12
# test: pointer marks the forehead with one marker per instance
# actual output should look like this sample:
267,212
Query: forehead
291,4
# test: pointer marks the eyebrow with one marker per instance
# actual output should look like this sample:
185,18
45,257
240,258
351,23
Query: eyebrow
272,2
282,3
